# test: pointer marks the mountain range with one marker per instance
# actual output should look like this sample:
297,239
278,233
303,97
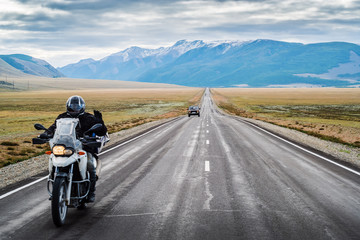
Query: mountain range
258,63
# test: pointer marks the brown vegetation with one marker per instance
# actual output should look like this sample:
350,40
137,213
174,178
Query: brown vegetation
328,113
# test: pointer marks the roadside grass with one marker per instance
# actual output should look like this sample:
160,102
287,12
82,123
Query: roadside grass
121,109
328,113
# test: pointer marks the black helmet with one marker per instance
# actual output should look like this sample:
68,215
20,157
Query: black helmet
75,106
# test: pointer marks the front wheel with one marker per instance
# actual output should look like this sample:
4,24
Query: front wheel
58,203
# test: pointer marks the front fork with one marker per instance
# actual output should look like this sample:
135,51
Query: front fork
68,194
69,179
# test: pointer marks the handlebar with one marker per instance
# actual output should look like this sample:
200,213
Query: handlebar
90,141
87,141
39,140
89,138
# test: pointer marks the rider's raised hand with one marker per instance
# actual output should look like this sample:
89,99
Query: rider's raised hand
98,114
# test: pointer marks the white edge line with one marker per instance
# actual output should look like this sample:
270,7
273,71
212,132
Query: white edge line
108,150
21,188
295,145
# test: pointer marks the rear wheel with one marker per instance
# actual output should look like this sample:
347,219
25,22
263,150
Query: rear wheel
199,115
58,203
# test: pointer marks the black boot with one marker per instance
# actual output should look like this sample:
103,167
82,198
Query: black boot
91,196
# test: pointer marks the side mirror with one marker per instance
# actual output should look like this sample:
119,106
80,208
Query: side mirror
38,126
93,128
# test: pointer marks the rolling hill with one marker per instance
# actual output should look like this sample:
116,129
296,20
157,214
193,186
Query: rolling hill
16,64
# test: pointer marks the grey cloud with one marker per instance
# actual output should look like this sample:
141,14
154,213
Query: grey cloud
291,27
75,5
100,5
329,10
252,0
350,22
29,1
26,17
84,5
36,28
36,22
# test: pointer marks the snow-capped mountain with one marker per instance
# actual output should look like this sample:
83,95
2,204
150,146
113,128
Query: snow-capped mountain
130,63
259,63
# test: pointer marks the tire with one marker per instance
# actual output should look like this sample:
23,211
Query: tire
189,115
199,115
58,204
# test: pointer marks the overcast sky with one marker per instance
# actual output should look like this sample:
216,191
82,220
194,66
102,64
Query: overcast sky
65,31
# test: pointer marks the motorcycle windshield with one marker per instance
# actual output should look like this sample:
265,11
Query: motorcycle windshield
65,133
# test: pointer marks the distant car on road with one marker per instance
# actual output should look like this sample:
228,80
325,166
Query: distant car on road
194,110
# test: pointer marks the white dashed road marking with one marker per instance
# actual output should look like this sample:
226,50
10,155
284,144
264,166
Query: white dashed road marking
207,166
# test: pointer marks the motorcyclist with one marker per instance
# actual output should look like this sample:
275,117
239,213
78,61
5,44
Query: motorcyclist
75,108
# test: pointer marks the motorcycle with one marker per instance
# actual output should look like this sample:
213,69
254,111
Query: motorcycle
69,181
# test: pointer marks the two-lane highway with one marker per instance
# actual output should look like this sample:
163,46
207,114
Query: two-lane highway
208,177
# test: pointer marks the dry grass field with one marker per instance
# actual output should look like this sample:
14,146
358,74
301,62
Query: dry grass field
122,108
329,113
35,83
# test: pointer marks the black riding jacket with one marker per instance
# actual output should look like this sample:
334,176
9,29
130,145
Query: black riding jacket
86,121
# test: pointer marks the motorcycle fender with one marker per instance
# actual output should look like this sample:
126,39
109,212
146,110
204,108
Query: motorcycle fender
64,161
83,165
62,174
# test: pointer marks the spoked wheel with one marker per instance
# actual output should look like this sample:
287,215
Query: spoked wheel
58,203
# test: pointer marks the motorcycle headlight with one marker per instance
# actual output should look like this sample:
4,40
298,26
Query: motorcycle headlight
60,150
68,152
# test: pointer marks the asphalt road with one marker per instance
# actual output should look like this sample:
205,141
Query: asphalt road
208,177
